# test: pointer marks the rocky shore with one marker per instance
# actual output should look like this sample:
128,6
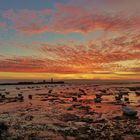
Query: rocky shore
69,112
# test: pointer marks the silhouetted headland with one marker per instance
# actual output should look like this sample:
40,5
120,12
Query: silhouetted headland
34,83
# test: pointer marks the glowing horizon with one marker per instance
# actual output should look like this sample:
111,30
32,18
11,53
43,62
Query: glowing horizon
86,39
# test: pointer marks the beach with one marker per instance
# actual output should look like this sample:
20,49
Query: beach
68,112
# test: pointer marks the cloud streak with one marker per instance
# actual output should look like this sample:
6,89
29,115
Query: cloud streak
71,17
78,59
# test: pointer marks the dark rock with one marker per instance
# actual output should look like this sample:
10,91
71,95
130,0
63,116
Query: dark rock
83,137
70,117
3,131
29,118
12,99
126,99
61,125
118,97
20,97
84,129
30,97
3,96
82,92
43,94
79,95
98,95
118,118
76,105
117,137
52,99
124,92
137,93
7,93
70,108
97,100
88,120
74,99
43,99
69,132
3,127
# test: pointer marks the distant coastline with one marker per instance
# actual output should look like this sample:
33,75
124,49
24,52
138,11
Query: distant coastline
34,83
78,81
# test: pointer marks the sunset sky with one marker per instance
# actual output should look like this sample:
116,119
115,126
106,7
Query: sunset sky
70,39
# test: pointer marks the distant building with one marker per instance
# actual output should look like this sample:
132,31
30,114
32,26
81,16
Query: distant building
51,80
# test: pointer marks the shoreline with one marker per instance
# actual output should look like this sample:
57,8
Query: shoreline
69,112
32,83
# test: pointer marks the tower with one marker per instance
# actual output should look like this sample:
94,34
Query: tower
51,80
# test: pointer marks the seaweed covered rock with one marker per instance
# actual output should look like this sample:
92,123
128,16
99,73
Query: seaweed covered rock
3,131
3,127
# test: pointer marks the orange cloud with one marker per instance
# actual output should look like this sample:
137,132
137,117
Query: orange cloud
76,59
74,17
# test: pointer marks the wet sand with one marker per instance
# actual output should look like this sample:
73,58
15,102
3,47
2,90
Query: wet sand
68,112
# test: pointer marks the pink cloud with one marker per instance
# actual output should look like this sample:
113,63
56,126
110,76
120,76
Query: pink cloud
32,28
137,69
69,18
81,16
28,21
88,58
121,48
3,25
